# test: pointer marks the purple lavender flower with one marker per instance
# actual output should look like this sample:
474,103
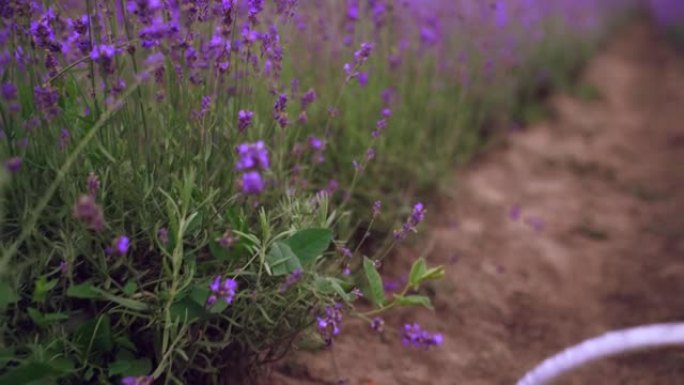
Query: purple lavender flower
363,78
375,211
121,244
308,98
93,183
291,279
328,323
378,324
345,252
315,143
252,183
226,240
46,99
222,289
417,216
86,210
252,156
9,91
363,53
142,380
64,138
414,336
244,119
13,164
163,235
144,9
514,213
536,223
104,54
204,108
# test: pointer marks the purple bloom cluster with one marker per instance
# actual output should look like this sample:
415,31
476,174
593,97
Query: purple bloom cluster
360,57
89,212
416,217
378,324
291,279
13,164
222,289
142,380
252,158
93,183
121,245
244,119
414,336
328,323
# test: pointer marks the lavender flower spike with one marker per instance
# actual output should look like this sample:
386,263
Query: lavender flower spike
224,289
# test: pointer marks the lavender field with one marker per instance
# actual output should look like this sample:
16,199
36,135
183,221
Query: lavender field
231,191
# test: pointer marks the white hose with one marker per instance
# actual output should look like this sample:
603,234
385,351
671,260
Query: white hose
606,345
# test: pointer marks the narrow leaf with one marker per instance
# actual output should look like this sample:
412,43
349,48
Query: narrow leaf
414,300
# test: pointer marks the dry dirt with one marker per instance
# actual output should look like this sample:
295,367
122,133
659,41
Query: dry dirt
603,182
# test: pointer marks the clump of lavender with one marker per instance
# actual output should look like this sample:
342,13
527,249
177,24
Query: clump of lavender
222,289
416,217
414,336
328,323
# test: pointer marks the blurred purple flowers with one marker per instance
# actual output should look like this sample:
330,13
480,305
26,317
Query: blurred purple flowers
328,323
416,217
414,336
252,158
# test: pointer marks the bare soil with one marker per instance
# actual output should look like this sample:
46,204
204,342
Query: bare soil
599,243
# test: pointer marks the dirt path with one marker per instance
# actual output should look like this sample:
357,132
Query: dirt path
599,243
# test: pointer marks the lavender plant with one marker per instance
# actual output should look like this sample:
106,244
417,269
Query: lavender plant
187,183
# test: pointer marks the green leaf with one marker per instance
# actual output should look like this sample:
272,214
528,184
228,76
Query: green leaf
125,302
376,292
43,320
139,367
417,271
282,260
308,244
27,373
84,290
434,273
186,310
119,367
217,251
62,364
96,335
42,288
7,295
130,287
6,355
329,285
414,300
125,342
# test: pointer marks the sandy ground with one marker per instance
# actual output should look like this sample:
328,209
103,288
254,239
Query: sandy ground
599,243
